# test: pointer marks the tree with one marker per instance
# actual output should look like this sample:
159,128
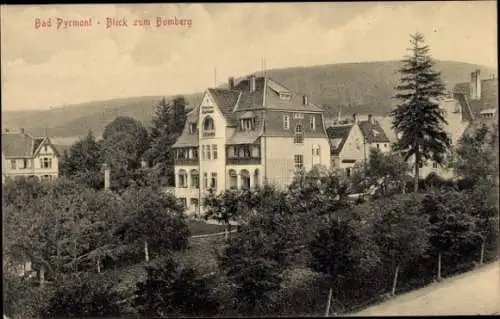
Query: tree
342,250
125,141
223,207
476,155
418,120
400,230
168,122
83,297
254,261
171,290
153,220
383,173
83,162
451,227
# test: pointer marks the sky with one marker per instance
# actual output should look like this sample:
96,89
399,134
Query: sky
50,67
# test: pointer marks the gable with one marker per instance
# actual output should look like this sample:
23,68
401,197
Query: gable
45,148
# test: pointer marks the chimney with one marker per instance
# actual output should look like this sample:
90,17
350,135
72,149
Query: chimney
304,100
355,118
231,83
370,118
252,83
475,85
478,84
339,116
106,176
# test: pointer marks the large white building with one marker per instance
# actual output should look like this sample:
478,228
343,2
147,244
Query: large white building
26,156
256,131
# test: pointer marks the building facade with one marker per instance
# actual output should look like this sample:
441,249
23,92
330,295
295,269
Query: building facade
26,156
254,132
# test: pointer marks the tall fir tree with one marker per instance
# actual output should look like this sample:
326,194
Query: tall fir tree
168,122
418,120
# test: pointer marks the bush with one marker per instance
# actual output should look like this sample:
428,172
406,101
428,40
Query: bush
170,290
83,297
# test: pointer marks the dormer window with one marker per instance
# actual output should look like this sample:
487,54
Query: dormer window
192,128
208,126
298,115
286,96
247,124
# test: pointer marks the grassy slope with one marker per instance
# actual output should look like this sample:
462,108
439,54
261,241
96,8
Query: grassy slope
352,87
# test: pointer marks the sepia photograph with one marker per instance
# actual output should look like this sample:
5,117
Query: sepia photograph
300,159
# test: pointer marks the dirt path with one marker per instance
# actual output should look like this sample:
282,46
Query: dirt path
473,293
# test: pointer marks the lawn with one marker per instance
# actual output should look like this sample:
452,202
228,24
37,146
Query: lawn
199,227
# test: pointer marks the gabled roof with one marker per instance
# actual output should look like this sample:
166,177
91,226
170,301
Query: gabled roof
18,144
472,108
243,103
225,100
338,136
373,132
186,139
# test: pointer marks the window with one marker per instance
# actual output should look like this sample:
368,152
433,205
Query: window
245,179
194,203
378,146
298,115
434,165
208,126
213,181
286,122
214,151
285,96
195,153
233,179
192,128
13,164
298,161
312,122
183,202
299,137
315,150
231,152
421,165
207,149
348,172
256,176
25,163
203,152
247,124
182,179
244,151
45,162
195,179
181,153
385,145
45,148
205,180
46,178
255,151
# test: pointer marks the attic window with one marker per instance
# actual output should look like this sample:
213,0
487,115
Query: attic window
247,124
285,96
298,115
192,128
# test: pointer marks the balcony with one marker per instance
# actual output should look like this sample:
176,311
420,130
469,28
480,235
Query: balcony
208,133
187,161
243,161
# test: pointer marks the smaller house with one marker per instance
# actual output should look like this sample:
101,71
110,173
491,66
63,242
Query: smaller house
347,146
26,156
375,135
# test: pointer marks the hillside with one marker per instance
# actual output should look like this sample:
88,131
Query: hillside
350,87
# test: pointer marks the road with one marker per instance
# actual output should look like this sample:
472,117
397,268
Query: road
473,293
